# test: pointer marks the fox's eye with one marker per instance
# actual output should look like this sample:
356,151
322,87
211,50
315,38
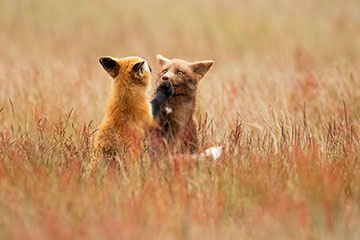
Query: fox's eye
180,73
164,71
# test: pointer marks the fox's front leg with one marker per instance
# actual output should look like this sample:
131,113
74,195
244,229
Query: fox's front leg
163,92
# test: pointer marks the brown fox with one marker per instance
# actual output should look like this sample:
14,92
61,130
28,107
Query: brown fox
177,126
128,113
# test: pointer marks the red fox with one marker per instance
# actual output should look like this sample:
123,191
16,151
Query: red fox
128,114
177,126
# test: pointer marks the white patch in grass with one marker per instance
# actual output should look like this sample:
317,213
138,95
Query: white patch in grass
214,152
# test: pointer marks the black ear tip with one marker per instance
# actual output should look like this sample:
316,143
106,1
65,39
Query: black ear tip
101,61
107,62
138,66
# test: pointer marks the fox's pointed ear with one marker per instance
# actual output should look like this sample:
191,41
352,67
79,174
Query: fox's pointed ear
138,68
201,68
161,61
110,65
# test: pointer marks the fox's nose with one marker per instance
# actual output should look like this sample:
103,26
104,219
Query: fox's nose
165,78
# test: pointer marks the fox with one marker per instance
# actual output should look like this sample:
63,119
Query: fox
177,126
129,111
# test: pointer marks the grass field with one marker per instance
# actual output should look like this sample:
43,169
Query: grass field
283,98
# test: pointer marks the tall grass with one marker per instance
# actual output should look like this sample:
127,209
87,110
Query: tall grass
282,98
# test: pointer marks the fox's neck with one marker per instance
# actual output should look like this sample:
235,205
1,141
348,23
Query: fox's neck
124,103
183,99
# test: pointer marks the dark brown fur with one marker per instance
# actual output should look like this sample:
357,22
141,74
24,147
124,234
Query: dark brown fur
176,122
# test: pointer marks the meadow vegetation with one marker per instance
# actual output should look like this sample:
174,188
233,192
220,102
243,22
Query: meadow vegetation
283,98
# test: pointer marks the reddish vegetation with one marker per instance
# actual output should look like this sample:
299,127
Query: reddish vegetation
282,99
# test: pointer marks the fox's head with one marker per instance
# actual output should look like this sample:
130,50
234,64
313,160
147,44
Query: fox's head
183,75
129,70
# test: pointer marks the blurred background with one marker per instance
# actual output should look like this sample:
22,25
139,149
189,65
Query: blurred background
268,54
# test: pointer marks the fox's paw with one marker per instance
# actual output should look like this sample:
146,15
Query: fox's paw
163,92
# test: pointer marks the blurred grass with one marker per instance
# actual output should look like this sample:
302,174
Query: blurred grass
282,98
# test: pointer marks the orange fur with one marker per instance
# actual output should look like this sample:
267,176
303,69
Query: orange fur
128,112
